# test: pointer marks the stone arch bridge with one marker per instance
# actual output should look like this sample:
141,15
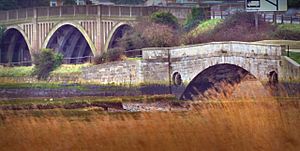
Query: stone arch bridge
191,70
75,31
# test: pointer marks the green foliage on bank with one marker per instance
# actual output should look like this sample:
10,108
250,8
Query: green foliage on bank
206,26
288,32
165,18
193,19
27,71
16,71
295,56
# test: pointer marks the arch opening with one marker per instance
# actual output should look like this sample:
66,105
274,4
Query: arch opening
70,42
14,49
117,35
224,81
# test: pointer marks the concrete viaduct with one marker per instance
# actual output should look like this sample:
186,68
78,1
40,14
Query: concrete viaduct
75,31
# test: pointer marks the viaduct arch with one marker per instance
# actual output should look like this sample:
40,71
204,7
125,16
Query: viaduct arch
98,24
15,47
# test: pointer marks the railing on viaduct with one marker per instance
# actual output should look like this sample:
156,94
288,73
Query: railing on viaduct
89,10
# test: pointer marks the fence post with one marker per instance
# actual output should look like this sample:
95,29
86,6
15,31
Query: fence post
60,11
7,15
74,10
26,13
87,10
130,11
288,52
48,12
282,21
17,14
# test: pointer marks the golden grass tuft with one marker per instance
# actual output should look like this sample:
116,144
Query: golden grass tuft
209,126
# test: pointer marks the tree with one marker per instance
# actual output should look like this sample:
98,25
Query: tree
293,3
16,4
193,19
165,18
69,2
45,62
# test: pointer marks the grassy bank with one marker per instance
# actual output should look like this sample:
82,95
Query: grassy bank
265,125
27,71
295,56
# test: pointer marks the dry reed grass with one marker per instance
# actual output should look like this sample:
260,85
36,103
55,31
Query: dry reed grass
209,126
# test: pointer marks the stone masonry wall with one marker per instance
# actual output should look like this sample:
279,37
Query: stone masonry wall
120,72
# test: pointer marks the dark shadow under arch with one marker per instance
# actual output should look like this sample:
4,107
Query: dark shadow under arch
215,81
14,49
118,33
69,41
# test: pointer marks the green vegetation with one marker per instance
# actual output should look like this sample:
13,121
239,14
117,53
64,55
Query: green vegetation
206,26
293,3
165,18
27,71
295,56
193,19
69,69
45,62
288,32
16,71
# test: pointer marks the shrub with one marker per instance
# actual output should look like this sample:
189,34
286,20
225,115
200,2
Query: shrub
193,19
237,27
114,54
98,59
158,35
165,18
132,40
45,62
288,32
148,34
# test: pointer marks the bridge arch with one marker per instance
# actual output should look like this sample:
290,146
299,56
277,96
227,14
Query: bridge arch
222,80
117,32
15,47
71,39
